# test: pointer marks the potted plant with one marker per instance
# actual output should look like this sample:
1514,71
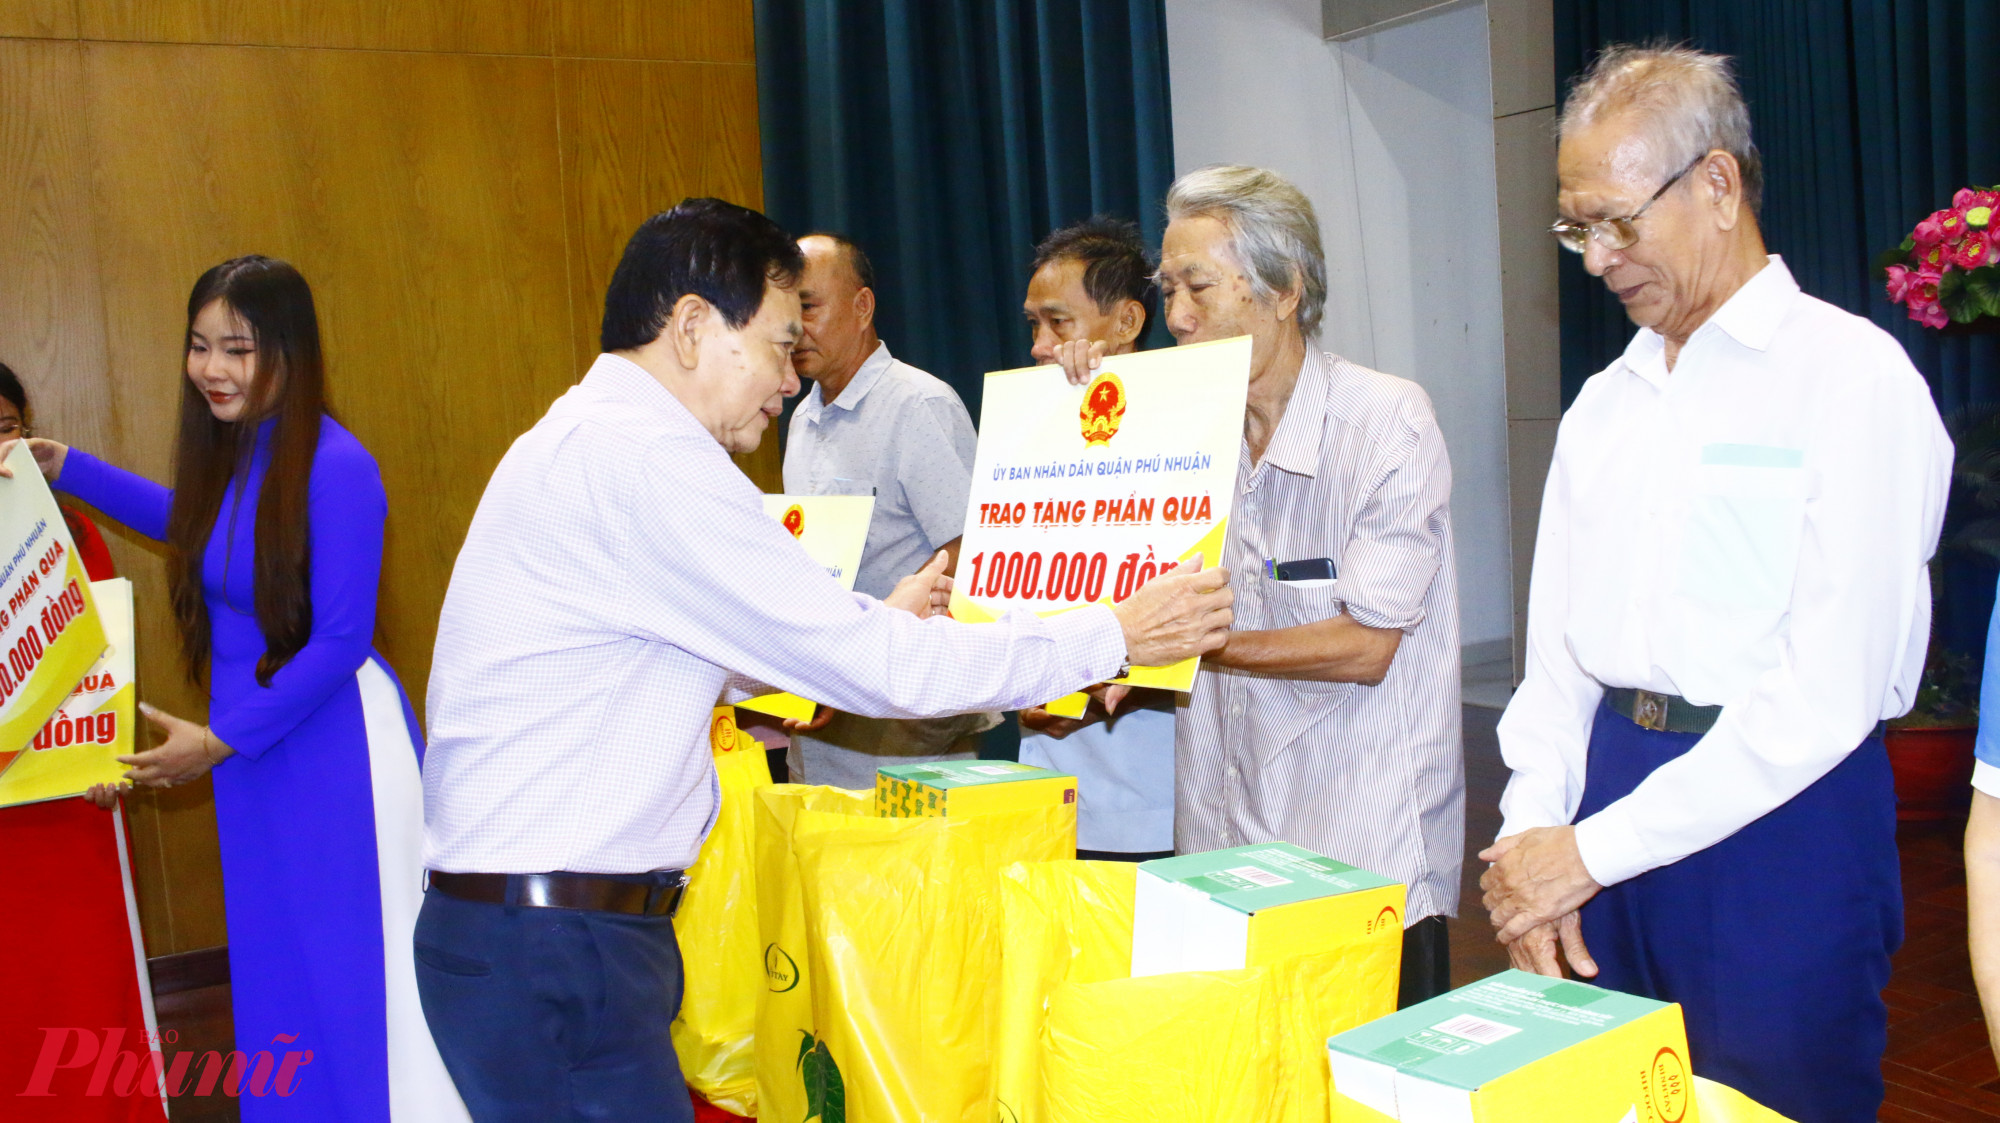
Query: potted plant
1947,273
1930,748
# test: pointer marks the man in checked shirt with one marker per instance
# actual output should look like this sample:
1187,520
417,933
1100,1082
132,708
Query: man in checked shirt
1330,718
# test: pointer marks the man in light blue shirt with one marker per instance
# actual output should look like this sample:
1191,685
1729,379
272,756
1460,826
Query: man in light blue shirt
874,425
1092,281
1982,841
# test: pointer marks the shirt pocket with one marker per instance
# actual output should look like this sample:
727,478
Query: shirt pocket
1292,604
1746,516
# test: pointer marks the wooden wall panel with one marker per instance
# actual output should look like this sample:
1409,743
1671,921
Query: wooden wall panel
684,30
38,19
52,332
639,137
421,198
457,203
504,27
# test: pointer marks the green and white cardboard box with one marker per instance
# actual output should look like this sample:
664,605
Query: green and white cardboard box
1514,1047
1222,910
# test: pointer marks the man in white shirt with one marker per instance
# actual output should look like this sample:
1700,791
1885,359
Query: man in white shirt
1091,281
875,425
1330,718
619,579
1729,594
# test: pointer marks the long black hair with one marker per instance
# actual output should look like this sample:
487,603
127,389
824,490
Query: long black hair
277,304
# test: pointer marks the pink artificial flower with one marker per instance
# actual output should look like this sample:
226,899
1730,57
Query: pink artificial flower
1920,290
1963,198
1932,259
1951,223
1928,313
1972,250
1928,232
1899,283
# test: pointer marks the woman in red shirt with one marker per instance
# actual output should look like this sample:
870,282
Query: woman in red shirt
14,423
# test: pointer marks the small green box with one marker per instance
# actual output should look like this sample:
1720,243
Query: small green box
967,787
1520,1048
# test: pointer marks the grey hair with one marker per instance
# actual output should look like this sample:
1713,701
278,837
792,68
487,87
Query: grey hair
1687,98
1273,231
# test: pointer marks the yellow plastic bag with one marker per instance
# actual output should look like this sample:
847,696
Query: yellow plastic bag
786,1048
717,929
902,923
1080,1040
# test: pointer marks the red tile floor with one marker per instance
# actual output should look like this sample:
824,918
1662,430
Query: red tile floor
1938,1067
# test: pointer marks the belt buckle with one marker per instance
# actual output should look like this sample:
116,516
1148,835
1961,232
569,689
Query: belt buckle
670,895
1649,710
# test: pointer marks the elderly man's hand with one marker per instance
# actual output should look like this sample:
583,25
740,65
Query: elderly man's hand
1536,949
822,717
1182,613
1079,358
925,593
1537,876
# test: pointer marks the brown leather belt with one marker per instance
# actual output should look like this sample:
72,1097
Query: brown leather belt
566,891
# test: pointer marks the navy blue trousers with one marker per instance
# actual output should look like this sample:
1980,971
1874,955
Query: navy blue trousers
1775,941
552,1015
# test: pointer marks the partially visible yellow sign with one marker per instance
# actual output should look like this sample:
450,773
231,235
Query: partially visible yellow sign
80,745
1081,494
833,529
50,632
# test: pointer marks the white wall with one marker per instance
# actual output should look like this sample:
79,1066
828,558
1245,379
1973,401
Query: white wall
1391,135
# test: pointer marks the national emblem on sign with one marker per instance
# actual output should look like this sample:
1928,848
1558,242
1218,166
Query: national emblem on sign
795,520
1103,409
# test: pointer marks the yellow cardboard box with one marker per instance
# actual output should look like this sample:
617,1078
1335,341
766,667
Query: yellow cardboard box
1248,906
1517,1048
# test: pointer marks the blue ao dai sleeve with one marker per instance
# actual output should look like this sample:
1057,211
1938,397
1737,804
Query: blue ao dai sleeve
130,498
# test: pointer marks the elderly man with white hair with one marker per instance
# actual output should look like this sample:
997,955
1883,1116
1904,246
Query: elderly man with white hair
1729,595
1330,718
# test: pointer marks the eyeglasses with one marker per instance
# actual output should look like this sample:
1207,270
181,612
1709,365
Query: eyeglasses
1613,233
10,428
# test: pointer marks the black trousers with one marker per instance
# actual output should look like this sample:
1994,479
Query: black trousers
553,1014
1426,962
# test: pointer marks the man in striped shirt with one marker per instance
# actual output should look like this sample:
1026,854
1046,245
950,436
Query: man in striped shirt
1330,719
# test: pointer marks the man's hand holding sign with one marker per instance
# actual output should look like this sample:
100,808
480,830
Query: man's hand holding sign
1092,490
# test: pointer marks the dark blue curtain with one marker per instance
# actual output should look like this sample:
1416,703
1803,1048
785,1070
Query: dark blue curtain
1870,114
949,136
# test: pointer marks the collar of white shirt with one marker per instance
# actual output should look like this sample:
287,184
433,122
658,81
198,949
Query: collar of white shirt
1751,316
1295,447
627,381
871,372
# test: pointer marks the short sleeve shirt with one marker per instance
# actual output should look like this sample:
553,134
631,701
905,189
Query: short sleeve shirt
1986,773
902,435
1371,775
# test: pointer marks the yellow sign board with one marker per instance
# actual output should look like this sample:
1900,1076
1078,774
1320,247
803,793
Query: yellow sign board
50,630
1082,494
94,726
832,529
